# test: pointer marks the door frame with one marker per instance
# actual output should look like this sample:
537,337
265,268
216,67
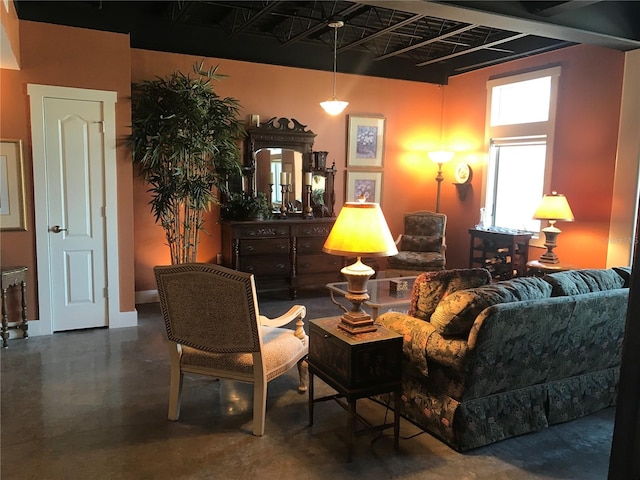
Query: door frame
37,94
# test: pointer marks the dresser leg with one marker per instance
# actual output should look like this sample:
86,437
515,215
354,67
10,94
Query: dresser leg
351,426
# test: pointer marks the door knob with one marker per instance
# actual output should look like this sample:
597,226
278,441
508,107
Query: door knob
57,229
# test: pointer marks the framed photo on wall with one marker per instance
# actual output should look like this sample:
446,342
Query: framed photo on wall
364,184
12,205
365,140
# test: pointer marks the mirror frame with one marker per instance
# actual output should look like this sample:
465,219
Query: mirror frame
288,134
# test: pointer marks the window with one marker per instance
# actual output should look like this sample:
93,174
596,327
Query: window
521,121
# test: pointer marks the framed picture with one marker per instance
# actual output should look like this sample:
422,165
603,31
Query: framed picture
364,184
365,141
12,205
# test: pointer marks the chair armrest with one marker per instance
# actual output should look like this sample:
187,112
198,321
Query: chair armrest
415,335
297,312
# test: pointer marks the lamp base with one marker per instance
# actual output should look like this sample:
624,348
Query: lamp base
357,322
551,241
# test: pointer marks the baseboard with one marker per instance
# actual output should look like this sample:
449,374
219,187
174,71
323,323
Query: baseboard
147,296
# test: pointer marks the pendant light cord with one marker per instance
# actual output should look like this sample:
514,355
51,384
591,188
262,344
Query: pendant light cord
335,55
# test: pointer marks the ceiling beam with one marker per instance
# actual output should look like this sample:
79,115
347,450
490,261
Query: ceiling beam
469,50
507,22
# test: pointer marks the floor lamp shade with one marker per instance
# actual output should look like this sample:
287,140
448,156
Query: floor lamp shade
360,230
554,208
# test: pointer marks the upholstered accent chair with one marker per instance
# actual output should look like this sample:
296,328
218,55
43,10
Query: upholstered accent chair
421,248
214,328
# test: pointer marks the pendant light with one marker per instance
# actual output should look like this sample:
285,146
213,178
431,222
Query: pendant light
334,106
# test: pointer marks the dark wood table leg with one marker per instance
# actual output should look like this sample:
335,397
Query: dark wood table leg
351,427
310,397
396,420
25,325
5,320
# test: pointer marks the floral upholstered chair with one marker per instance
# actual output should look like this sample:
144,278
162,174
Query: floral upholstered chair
421,248
214,328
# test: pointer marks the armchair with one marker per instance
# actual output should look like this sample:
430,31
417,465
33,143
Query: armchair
214,328
421,248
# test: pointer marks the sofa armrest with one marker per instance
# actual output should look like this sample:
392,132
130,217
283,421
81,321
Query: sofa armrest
415,333
421,343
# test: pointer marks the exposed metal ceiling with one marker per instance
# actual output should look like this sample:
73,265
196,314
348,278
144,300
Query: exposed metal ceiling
406,39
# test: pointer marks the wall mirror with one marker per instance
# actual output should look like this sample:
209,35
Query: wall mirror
280,151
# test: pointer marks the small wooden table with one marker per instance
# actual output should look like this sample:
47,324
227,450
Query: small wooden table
356,366
536,268
13,277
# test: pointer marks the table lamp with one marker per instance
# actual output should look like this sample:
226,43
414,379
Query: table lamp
553,208
360,230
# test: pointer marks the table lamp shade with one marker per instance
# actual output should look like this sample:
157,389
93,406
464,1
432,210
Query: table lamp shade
554,207
360,230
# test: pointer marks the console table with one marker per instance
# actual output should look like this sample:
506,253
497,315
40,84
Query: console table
356,366
14,277
282,254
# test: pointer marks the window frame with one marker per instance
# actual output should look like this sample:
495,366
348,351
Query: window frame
521,132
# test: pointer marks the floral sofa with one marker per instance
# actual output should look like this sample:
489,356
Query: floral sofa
487,361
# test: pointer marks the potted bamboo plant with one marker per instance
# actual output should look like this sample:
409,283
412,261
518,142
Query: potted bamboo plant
185,144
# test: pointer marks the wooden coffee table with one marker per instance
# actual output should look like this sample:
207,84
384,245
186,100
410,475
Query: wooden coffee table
381,296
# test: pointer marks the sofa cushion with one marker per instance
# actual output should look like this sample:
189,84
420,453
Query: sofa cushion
455,314
421,243
430,287
574,282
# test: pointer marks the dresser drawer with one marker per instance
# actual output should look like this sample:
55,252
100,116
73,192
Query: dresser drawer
320,262
264,245
310,245
311,230
261,231
272,265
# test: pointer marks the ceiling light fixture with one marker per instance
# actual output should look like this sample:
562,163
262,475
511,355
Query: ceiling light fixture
334,106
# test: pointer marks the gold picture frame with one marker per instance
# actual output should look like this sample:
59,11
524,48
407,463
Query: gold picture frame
12,202
365,146
367,184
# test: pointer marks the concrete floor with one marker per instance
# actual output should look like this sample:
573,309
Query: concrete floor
93,405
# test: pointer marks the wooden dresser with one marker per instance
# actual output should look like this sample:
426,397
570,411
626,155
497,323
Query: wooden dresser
282,254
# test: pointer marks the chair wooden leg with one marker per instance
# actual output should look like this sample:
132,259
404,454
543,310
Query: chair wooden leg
303,371
259,407
175,386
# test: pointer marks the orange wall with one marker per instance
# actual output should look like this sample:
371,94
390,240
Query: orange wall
587,126
413,117
69,57
584,156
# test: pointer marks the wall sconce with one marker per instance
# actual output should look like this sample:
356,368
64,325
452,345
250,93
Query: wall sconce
553,208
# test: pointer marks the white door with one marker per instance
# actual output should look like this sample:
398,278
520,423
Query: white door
74,150
72,159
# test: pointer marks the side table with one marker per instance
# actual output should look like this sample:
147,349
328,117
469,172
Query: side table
13,277
536,268
356,366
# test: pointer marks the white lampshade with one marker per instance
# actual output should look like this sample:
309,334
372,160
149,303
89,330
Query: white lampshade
554,207
333,106
360,230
